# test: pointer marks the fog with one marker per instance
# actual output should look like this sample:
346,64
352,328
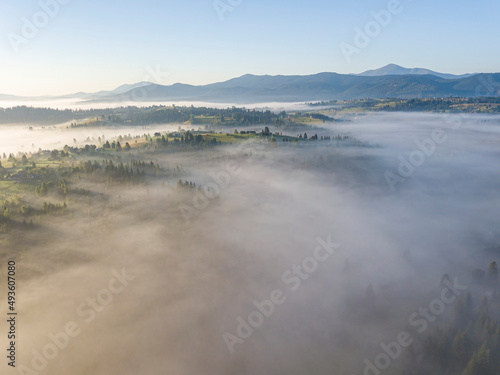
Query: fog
191,278
78,103
19,138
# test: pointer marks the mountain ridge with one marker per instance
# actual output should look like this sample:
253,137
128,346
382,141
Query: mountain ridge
250,88
393,69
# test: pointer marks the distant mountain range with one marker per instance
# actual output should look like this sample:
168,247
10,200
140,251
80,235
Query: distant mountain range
391,81
393,69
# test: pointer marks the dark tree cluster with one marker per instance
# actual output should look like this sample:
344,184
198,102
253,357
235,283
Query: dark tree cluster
146,115
24,114
129,172
467,341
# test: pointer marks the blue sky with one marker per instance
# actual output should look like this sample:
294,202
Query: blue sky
97,45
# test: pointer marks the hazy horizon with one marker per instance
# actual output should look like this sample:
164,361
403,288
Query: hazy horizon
42,96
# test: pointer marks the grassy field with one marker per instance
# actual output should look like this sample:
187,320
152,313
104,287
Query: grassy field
306,120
